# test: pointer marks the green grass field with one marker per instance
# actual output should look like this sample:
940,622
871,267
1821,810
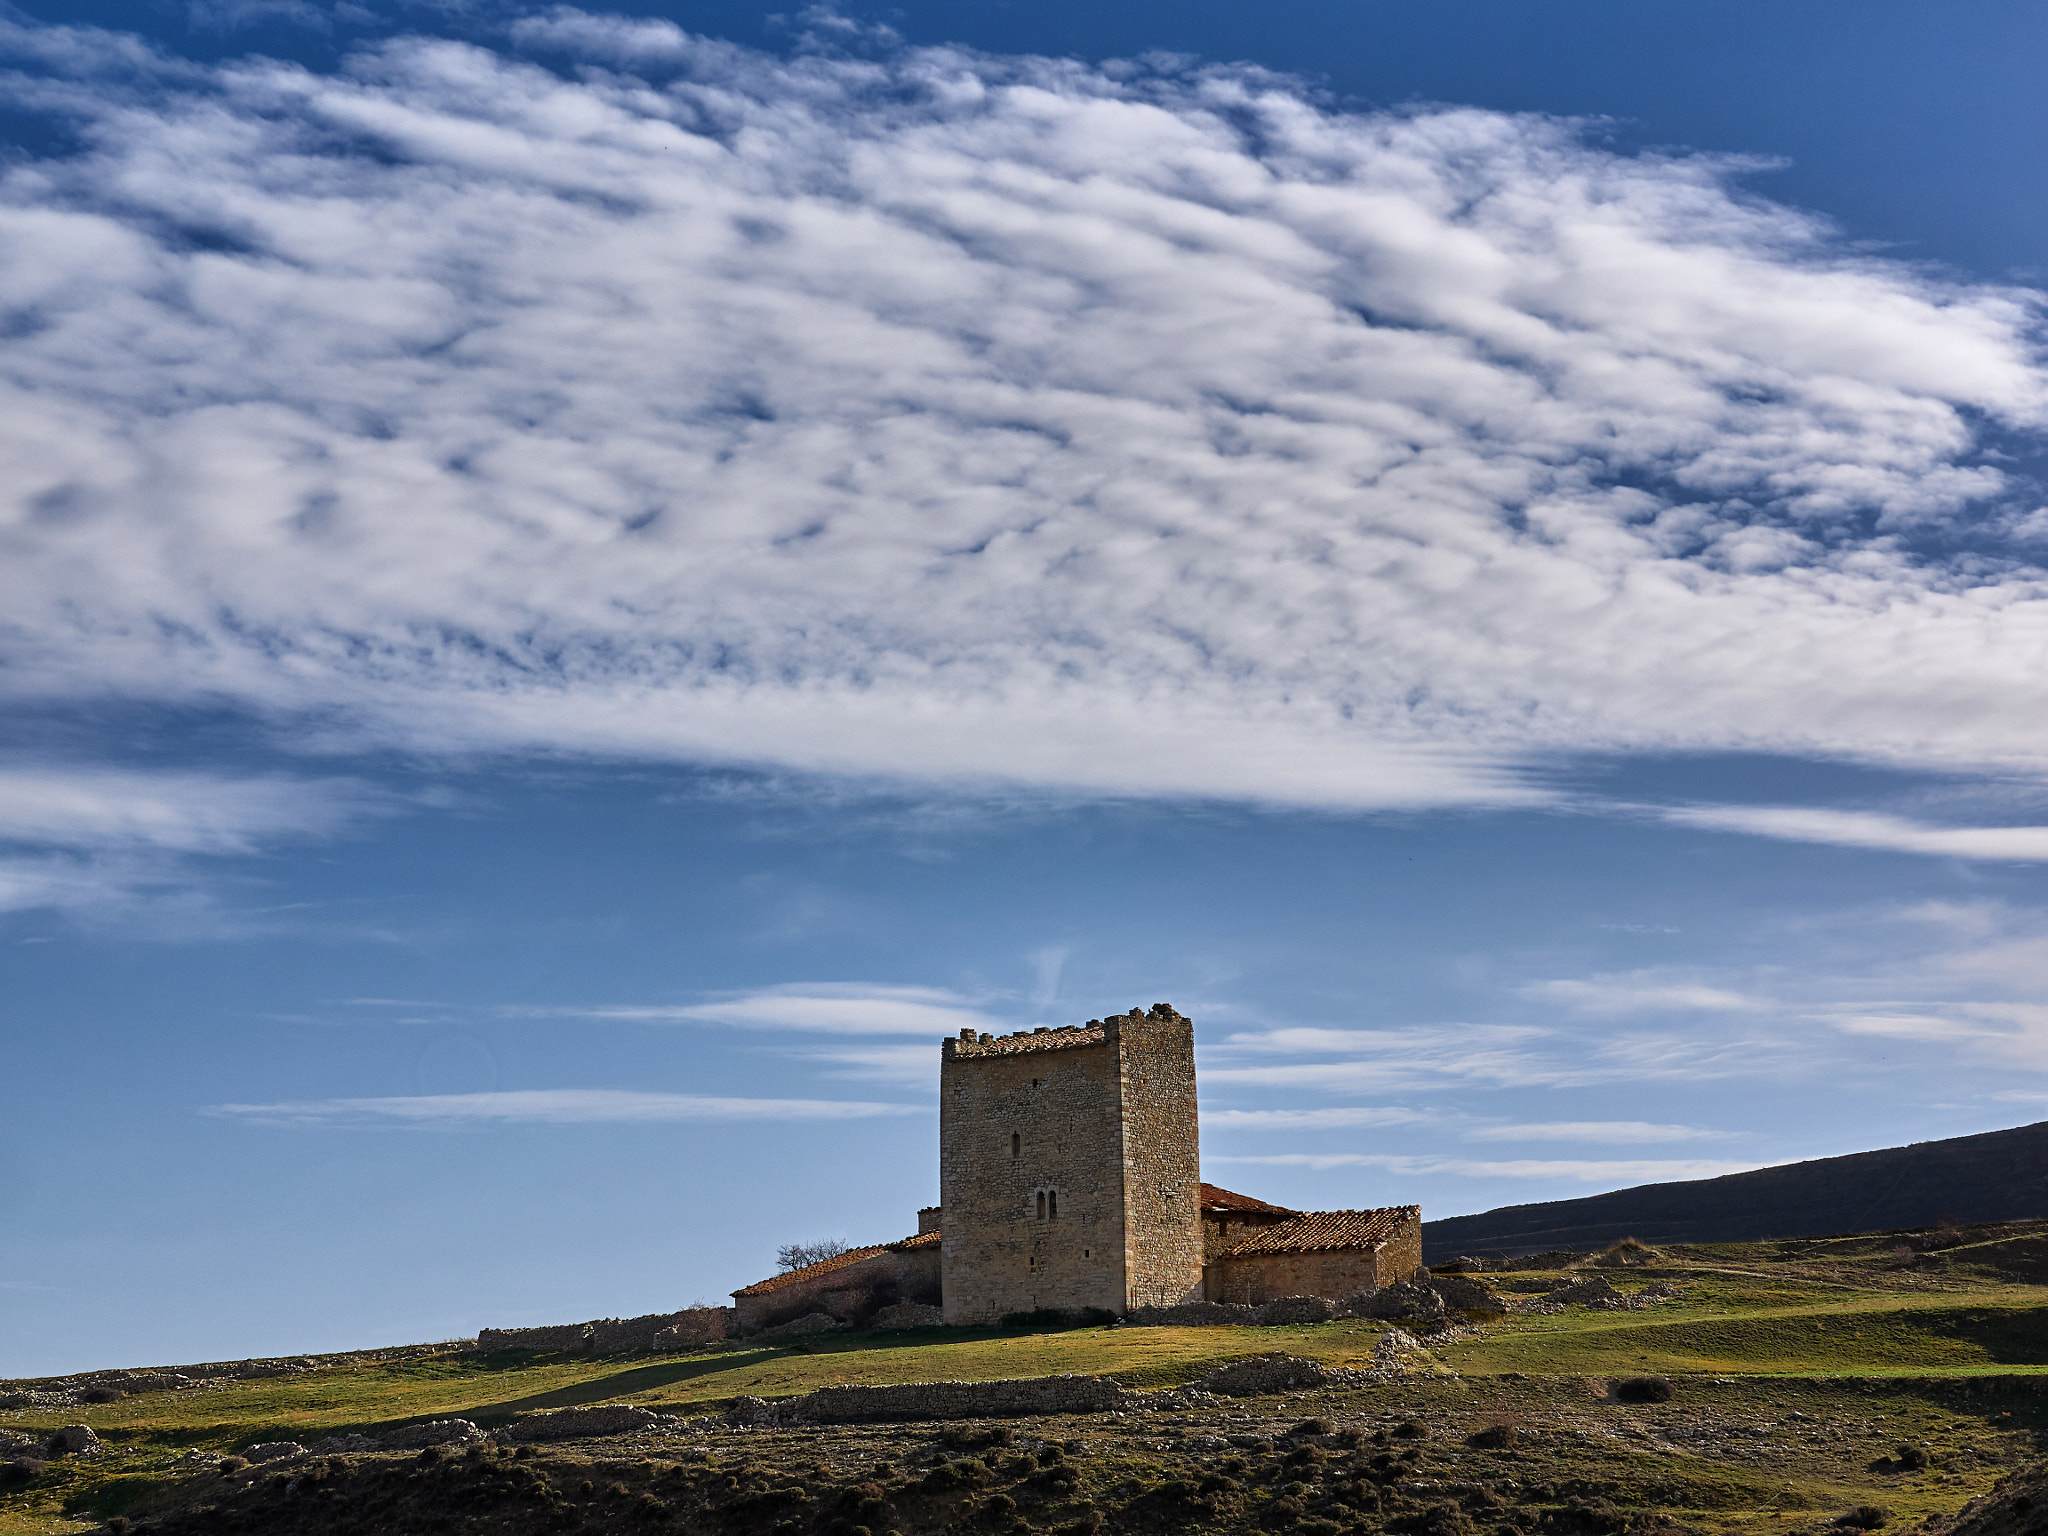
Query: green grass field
1824,1330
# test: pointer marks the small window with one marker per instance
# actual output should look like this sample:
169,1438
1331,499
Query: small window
1016,1143
1052,1204
1041,1205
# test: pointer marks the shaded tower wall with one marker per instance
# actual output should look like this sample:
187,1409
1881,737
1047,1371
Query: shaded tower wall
1069,1168
1162,1163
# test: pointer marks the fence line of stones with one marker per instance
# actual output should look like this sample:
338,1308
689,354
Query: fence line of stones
618,1335
71,1391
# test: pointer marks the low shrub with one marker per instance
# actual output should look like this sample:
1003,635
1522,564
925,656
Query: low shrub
22,1469
1313,1427
1643,1389
1912,1457
1059,1317
1409,1429
1864,1517
1497,1436
100,1395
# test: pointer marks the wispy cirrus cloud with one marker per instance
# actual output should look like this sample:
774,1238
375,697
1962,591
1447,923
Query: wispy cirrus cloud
550,1106
1440,1056
839,1008
1311,1119
989,420
1618,1132
1639,992
1867,829
88,839
1616,1171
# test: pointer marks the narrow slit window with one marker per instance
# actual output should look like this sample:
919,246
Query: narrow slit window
1016,1143
1052,1204
1041,1205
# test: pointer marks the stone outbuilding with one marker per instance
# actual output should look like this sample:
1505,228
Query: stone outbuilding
1337,1254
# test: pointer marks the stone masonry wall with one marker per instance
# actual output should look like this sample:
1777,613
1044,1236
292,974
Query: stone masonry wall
1259,1277
1058,1099
1401,1254
1162,1158
848,1293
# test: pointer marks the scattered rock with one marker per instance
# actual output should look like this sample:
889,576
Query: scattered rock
439,1432
1467,1295
1401,1351
344,1445
750,1412
958,1400
1276,1373
575,1423
1193,1314
909,1314
1297,1309
273,1450
75,1440
1404,1299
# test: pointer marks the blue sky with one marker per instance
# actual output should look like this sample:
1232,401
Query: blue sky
581,585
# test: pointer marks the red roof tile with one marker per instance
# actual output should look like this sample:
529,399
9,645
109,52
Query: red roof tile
1214,1199
1326,1232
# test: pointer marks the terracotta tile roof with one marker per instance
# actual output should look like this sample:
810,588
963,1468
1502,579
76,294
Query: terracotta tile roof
1326,1232
1026,1041
1214,1199
844,1260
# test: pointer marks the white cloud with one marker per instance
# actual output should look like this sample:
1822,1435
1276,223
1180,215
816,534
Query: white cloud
90,808
1309,1119
551,1106
1619,1132
1619,1172
986,420
841,1008
1867,829
1478,1056
103,842
1638,992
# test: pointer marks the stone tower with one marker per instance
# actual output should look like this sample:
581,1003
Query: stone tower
1069,1168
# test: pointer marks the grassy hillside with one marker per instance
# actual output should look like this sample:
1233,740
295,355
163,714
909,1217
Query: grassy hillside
1858,1347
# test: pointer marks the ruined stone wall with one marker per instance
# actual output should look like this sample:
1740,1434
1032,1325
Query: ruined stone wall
1162,1158
849,1293
615,1335
929,1219
1401,1255
1059,1100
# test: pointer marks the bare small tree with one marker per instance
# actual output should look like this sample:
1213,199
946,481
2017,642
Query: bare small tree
803,1255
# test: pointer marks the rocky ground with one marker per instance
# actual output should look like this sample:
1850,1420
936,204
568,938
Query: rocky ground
1427,1456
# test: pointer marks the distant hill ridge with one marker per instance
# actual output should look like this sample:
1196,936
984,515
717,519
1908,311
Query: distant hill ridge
1995,1176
